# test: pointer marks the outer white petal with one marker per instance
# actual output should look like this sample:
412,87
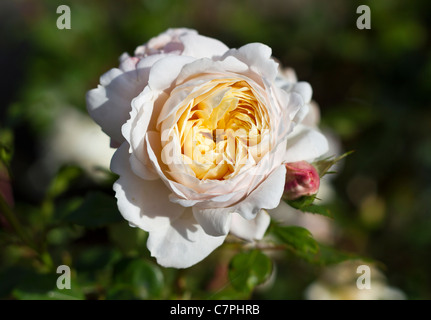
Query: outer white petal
134,131
202,47
108,114
250,229
165,71
297,108
167,41
304,89
286,78
305,143
312,119
128,63
266,196
183,243
141,202
258,57
142,166
215,222
228,66
109,104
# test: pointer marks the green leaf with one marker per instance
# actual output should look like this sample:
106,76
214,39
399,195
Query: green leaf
299,240
329,255
130,241
305,204
248,269
94,259
64,235
316,209
62,181
323,166
302,202
65,207
97,210
44,287
136,279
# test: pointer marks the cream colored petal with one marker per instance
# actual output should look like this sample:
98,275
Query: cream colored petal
141,202
266,196
183,243
215,222
250,229
305,143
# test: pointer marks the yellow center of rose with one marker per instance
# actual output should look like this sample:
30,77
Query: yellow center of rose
222,129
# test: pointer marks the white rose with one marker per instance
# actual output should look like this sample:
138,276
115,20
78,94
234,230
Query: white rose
204,132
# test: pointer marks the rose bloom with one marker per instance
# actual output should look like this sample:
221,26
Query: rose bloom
203,133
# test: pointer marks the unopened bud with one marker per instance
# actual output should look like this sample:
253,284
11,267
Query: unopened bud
302,179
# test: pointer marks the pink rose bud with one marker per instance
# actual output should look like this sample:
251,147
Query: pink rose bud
302,179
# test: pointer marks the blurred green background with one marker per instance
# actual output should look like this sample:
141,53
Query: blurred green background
372,87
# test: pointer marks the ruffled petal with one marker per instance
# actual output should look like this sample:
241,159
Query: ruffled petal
165,71
304,89
141,202
258,57
134,131
183,243
215,222
109,103
266,196
312,119
250,229
199,46
305,143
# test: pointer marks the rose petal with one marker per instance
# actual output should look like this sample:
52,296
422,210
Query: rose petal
250,229
304,89
258,57
228,66
202,47
167,41
215,222
141,202
142,166
312,118
286,78
134,131
109,103
165,71
128,63
183,243
305,143
209,201
266,196
154,150
297,108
